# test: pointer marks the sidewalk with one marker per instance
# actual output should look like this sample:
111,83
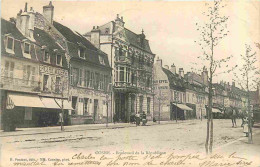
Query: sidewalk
83,127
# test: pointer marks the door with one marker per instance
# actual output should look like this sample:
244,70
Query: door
95,109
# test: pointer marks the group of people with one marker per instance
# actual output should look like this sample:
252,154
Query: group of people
245,121
139,118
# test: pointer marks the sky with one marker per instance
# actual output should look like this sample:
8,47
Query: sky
168,25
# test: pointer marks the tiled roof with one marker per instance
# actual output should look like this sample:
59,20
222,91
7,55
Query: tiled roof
8,27
135,39
75,40
42,38
174,80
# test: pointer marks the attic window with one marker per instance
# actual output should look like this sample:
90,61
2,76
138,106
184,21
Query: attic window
46,56
58,59
27,48
81,53
107,30
10,43
101,60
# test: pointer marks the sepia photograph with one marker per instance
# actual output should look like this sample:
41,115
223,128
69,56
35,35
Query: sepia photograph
114,83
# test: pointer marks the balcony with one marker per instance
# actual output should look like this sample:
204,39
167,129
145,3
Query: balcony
17,84
124,60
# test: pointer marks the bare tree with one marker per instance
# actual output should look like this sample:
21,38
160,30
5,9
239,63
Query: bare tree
248,79
212,31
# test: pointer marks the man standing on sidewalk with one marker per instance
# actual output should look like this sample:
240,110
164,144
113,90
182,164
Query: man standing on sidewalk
233,118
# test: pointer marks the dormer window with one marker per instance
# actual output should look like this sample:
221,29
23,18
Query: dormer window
107,30
58,60
101,60
46,56
27,48
81,53
10,44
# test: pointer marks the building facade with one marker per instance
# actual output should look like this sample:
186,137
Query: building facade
132,60
33,67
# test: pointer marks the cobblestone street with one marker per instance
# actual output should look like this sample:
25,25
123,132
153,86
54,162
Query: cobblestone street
177,137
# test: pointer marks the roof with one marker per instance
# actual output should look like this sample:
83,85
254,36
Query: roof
135,39
41,39
174,81
75,40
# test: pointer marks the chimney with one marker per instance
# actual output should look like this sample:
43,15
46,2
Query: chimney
173,69
95,36
159,61
22,20
181,72
166,67
119,21
48,12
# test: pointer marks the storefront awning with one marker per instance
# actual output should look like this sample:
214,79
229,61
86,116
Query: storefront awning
184,107
215,110
49,103
66,104
23,100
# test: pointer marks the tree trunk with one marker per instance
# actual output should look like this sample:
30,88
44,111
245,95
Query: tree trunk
207,137
211,134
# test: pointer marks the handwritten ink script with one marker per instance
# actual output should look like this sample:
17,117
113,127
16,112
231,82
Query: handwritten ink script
138,158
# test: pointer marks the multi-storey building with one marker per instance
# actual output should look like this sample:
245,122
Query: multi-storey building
33,67
132,60
89,71
170,93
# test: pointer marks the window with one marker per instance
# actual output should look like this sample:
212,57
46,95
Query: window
121,74
101,60
107,31
101,83
80,77
10,43
75,73
91,82
87,77
97,77
46,56
26,73
57,85
71,76
148,105
33,73
81,53
45,83
26,48
58,59
9,69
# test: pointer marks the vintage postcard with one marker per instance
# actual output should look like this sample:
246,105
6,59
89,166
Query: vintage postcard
130,83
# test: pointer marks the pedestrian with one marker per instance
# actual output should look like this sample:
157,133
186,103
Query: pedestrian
233,118
137,119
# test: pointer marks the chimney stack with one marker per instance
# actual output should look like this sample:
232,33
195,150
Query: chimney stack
159,61
48,12
181,72
173,69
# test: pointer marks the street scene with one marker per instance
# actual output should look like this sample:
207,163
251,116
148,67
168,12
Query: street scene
89,83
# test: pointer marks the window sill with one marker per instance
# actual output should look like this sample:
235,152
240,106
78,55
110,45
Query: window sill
28,56
9,51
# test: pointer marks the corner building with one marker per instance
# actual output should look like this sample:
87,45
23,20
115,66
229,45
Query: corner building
132,60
